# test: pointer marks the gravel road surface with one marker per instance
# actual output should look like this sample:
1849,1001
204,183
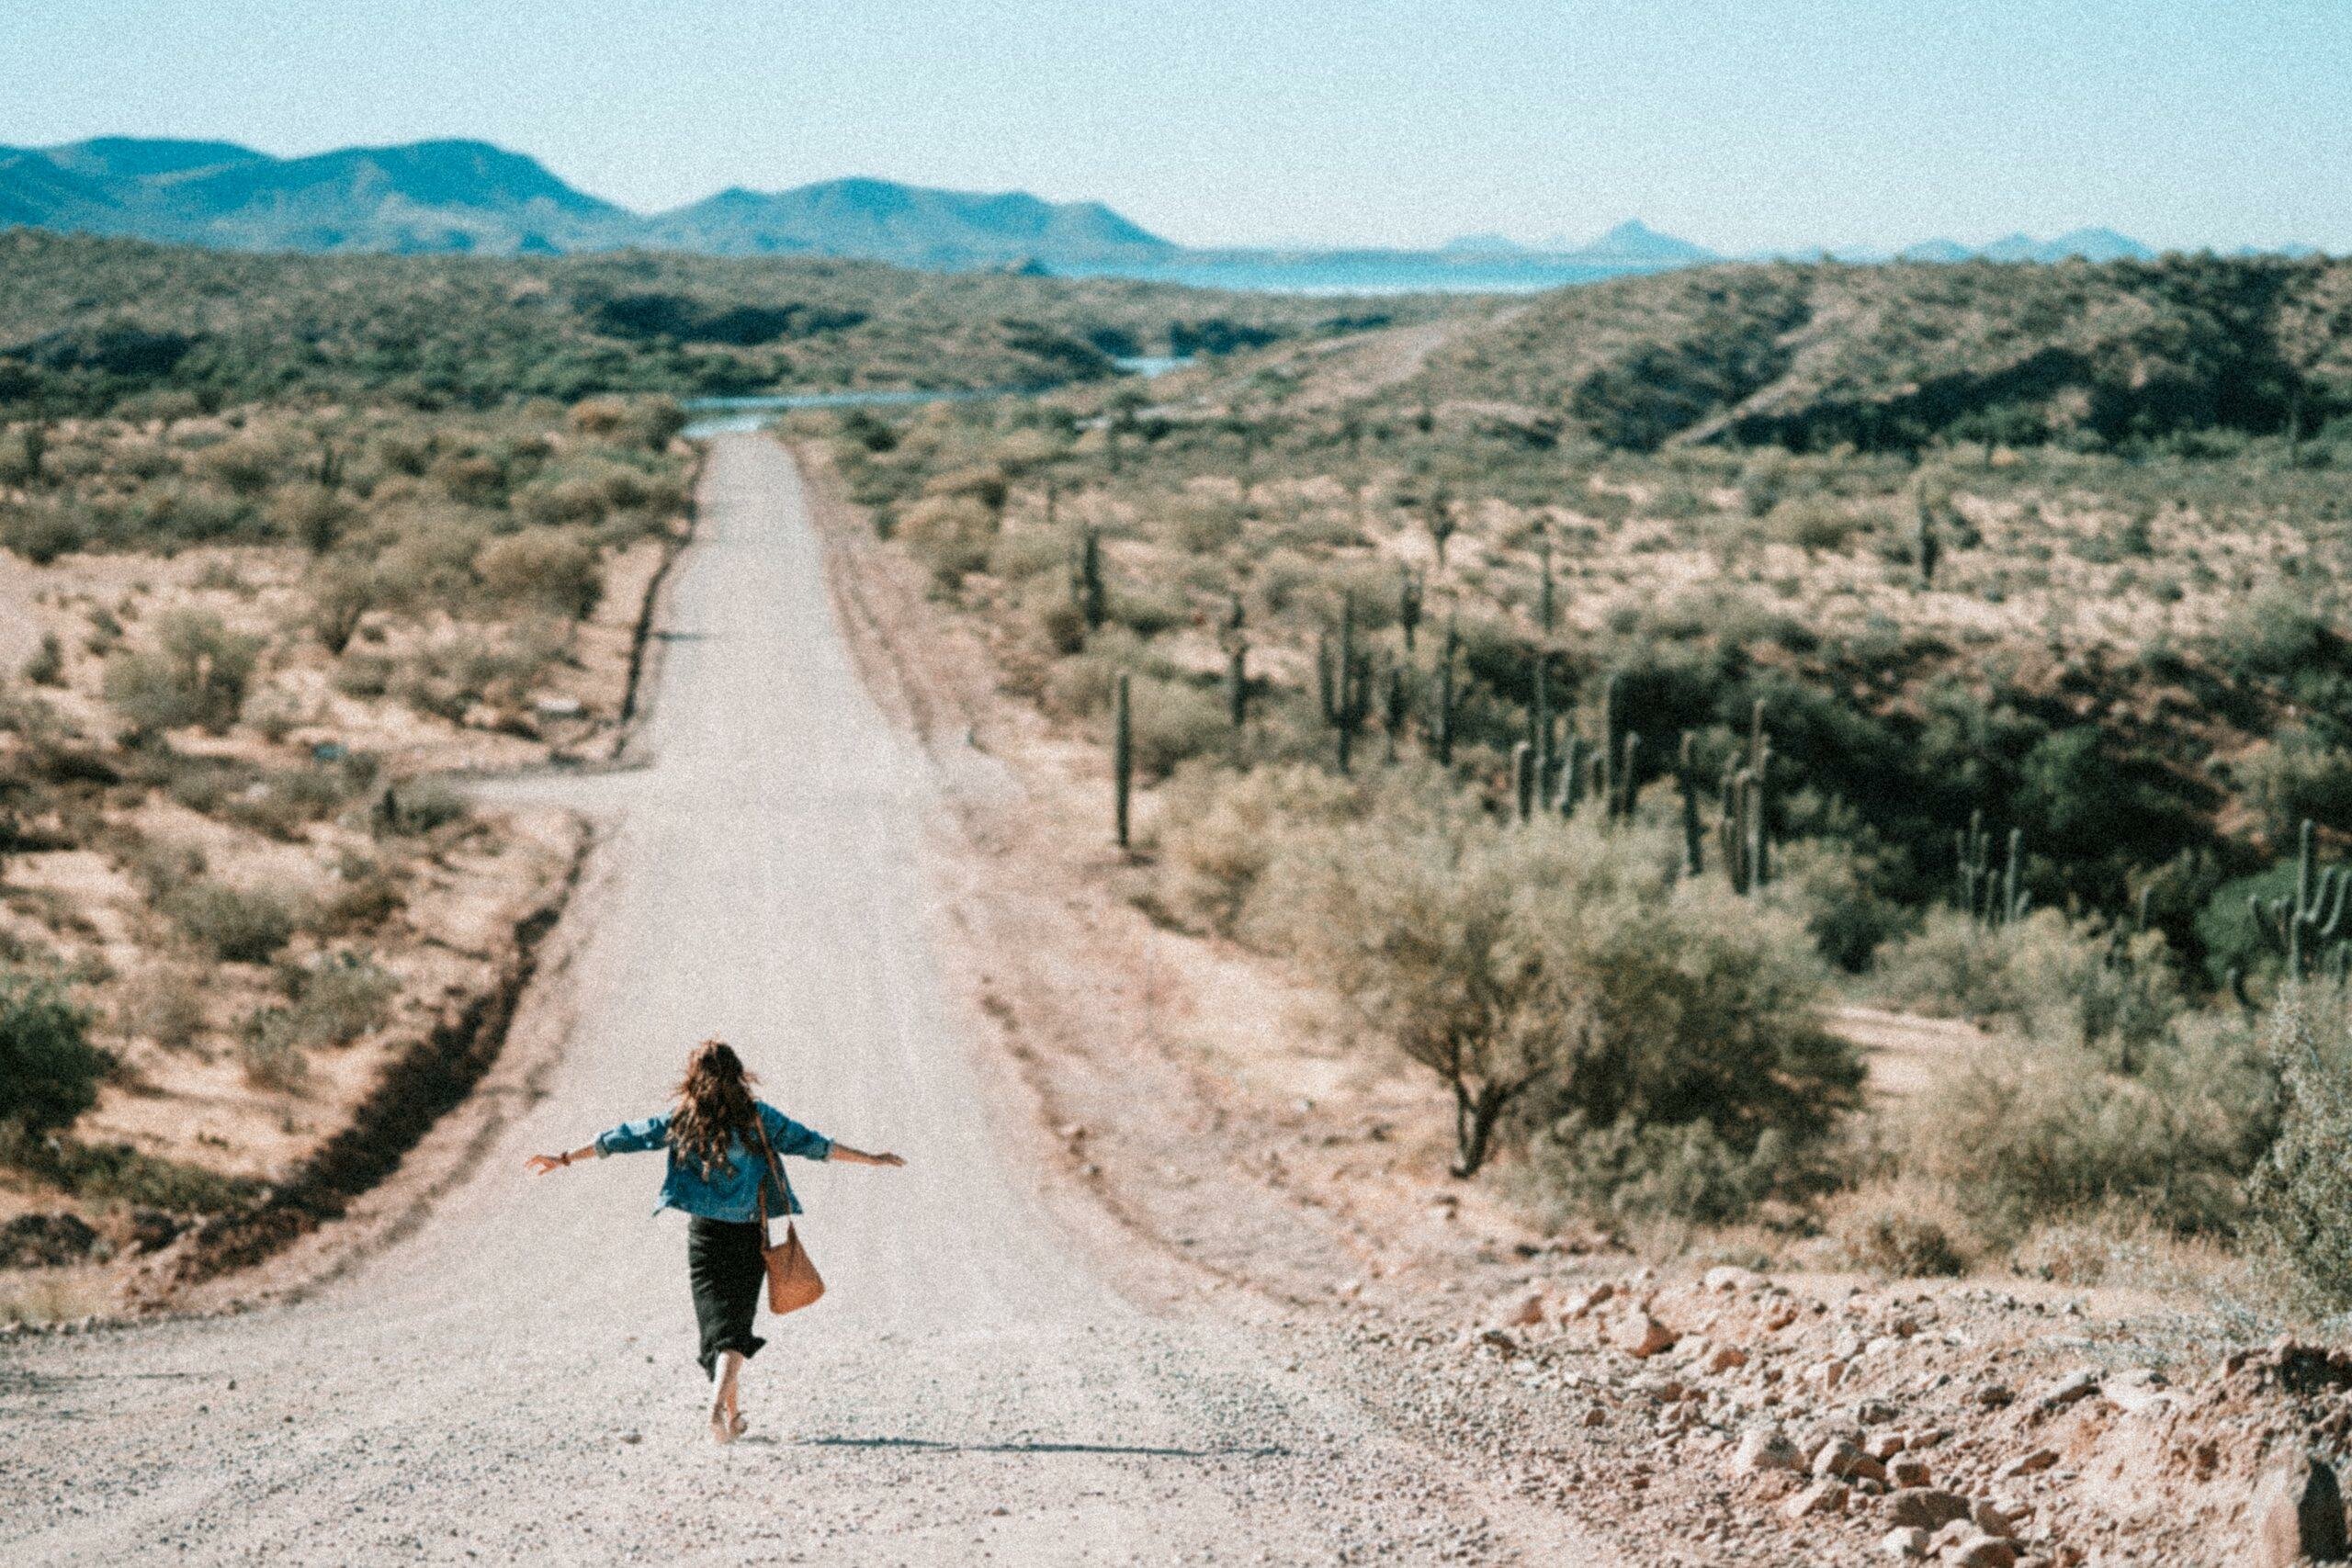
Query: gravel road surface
515,1379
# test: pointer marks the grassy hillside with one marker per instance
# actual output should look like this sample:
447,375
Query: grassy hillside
85,323
1900,356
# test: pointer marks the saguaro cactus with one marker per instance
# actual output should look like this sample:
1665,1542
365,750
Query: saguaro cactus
1605,761
1686,781
1237,684
1539,725
1745,831
1572,775
1523,776
1122,759
2302,926
1086,588
1628,777
1993,899
1442,720
1408,603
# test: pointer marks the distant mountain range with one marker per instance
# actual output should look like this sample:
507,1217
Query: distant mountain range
471,197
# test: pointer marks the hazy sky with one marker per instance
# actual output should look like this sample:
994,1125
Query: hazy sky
1760,123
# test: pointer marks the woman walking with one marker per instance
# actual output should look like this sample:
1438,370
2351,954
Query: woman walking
724,1174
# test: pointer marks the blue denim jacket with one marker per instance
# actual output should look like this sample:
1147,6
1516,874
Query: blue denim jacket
728,1192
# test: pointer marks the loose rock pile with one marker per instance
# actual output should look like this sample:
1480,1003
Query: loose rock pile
1957,1425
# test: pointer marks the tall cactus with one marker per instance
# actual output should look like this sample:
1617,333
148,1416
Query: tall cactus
1605,759
1546,608
1442,720
1572,776
1237,684
1122,759
1628,774
1745,831
1523,779
1086,588
1408,603
1992,897
1539,725
2302,926
1686,781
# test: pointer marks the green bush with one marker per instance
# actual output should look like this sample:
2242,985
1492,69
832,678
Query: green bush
197,674
1568,974
2302,1191
546,568
49,1069
337,999
2021,1134
235,925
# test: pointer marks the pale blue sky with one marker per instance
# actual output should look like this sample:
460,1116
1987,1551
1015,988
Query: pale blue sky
1767,123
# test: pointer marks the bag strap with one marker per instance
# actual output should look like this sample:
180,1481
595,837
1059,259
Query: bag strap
758,1126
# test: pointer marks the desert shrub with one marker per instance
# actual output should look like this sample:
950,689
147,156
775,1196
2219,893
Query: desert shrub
164,1004
341,593
1173,720
47,666
419,805
1218,830
2023,1133
233,924
2297,775
2300,1192
336,999
2050,979
1571,974
1903,1229
49,1069
45,529
313,515
546,568
197,674
951,535
271,1051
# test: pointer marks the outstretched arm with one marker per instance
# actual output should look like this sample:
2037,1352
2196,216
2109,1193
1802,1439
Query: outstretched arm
859,1156
628,1138
541,1163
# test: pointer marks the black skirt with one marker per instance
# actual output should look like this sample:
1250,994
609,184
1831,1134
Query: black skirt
724,1266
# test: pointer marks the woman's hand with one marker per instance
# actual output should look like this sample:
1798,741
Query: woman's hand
888,1159
859,1156
541,1163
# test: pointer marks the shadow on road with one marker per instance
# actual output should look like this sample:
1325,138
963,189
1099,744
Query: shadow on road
934,1445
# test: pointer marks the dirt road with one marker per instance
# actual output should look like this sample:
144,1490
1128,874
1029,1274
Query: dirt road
514,1381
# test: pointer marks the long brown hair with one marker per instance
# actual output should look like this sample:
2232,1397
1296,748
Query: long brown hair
713,1105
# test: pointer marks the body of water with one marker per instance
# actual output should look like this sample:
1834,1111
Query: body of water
726,416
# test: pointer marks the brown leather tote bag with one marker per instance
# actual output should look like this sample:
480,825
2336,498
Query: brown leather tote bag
793,1279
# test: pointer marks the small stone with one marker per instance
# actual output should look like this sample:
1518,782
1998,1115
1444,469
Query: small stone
1730,1277
632,1437
1907,1472
1925,1508
1583,1301
2068,1390
1640,1335
2299,1513
1530,1313
1844,1460
1988,1518
2032,1463
1724,1359
1996,1395
1904,1541
1884,1446
1983,1551
1766,1448
1821,1497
